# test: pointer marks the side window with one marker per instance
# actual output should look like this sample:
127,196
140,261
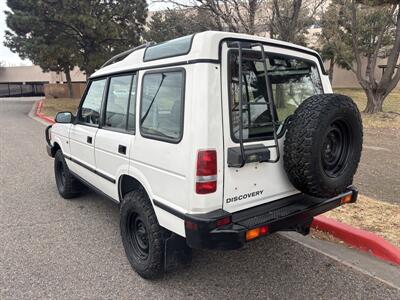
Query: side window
117,101
90,109
161,112
132,106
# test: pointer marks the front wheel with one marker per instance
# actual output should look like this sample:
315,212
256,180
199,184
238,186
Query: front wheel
68,186
143,238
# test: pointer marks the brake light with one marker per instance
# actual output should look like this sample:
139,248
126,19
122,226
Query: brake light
206,172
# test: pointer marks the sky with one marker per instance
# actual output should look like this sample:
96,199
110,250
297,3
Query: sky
12,59
6,56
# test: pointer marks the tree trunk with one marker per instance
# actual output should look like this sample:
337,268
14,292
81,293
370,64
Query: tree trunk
252,14
374,101
69,82
331,68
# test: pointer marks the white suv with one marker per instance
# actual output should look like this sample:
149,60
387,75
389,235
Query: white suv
209,141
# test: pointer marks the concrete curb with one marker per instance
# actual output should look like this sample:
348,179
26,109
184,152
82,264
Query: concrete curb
39,114
360,239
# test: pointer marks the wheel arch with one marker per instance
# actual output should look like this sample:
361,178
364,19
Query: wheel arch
128,183
56,146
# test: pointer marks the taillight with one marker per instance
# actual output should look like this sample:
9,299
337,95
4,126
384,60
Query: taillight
256,232
224,221
346,199
206,172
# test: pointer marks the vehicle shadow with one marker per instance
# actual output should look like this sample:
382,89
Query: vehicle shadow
271,267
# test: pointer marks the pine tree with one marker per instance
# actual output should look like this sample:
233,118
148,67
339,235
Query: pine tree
58,35
35,38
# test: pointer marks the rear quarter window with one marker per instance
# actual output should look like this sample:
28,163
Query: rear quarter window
162,102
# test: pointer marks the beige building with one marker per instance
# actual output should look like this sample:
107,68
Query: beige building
30,80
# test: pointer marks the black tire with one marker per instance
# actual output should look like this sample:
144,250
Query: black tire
143,238
68,186
323,145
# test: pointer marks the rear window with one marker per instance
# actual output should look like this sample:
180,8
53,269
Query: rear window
176,47
292,80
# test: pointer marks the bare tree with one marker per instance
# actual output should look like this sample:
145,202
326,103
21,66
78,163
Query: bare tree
381,40
290,19
329,40
230,15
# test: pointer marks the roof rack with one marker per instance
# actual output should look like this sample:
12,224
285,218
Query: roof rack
124,54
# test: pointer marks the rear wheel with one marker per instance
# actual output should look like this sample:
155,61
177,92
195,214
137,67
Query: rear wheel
323,145
68,186
143,238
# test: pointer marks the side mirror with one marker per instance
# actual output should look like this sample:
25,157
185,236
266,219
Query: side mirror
64,117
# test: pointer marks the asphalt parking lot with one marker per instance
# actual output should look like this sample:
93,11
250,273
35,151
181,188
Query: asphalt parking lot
53,248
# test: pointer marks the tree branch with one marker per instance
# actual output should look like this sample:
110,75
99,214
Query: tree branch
393,56
354,38
379,42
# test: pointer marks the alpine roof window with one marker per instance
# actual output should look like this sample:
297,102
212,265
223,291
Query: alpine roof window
175,47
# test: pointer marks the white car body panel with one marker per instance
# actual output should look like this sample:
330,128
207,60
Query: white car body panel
167,171
109,161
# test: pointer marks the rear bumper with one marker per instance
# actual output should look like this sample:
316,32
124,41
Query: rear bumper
294,213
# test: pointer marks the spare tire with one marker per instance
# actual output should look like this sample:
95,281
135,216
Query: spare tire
323,145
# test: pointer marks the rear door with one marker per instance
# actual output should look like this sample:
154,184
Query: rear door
115,137
291,81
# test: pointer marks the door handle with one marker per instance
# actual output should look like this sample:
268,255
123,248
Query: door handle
122,149
89,139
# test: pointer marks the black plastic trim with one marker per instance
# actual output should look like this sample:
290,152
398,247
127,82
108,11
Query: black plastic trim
252,153
169,209
92,187
293,213
106,177
46,135
49,150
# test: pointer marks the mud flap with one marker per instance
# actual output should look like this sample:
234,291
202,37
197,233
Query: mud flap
176,253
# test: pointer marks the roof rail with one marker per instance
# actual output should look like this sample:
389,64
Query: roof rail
124,54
